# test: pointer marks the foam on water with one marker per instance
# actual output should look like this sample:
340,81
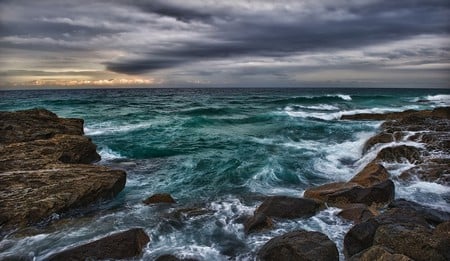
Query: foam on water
441,99
106,128
108,154
320,107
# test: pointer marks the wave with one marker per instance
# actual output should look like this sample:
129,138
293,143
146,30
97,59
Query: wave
440,98
344,97
108,154
314,99
320,107
337,115
109,128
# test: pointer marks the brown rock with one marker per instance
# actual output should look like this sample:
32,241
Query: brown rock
159,198
39,153
257,222
378,253
299,245
414,241
356,213
438,172
377,139
344,193
399,154
35,124
372,174
121,245
430,215
288,207
29,196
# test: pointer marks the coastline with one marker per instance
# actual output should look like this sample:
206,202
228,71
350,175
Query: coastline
377,208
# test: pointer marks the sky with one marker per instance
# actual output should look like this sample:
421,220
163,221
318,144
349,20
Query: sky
214,43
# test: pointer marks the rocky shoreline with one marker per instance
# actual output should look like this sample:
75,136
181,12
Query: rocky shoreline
45,168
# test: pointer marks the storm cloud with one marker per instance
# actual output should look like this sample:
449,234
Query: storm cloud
279,41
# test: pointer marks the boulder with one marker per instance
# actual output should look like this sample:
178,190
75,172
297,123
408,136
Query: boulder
29,196
169,257
356,212
414,241
431,171
430,215
382,137
257,222
378,253
299,245
159,198
372,174
126,244
288,207
344,193
29,125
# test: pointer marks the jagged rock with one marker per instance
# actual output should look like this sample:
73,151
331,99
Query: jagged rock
432,171
257,222
411,115
28,125
168,257
399,154
372,174
121,245
159,198
356,213
288,207
344,193
378,253
299,245
409,239
29,196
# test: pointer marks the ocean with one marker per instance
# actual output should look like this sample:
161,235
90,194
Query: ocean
218,152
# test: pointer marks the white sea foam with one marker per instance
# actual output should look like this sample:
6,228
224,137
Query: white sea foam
439,99
425,193
337,115
112,128
345,97
108,154
320,107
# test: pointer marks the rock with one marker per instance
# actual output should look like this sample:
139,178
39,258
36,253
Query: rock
378,253
399,154
257,222
39,153
356,213
29,125
372,174
432,216
159,198
43,168
168,257
414,241
344,193
430,171
442,234
299,245
377,139
29,196
288,207
120,245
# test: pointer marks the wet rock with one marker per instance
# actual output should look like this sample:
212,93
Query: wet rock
29,125
400,154
169,257
121,245
257,222
159,198
28,196
378,253
377,139
356,213
430,171
442,234
288,207
299,245
430,215
371,175
344,193
414,241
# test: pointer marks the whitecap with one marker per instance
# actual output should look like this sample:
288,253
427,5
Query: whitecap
108,154
112,128
320,107
439,99
345,97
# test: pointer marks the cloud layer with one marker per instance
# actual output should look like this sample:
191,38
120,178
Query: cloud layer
233,43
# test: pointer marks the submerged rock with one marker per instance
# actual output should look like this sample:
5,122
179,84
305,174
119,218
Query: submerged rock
299,245
288,207
257,222
126,244
400,154
159,198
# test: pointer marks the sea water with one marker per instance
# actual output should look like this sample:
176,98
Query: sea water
220,151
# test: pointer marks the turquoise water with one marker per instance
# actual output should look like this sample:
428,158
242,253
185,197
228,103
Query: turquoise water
221,150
